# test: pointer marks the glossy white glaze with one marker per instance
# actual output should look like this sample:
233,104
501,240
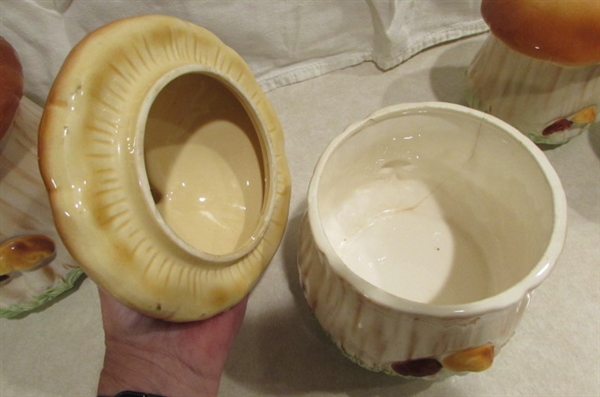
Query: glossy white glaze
413,255
428,225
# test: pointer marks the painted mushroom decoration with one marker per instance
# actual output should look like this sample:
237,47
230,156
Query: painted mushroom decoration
25,253
165,167
539,69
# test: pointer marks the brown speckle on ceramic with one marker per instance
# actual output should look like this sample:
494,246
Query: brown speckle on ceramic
417,368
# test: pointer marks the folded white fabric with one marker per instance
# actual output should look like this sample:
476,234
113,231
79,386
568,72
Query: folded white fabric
282,41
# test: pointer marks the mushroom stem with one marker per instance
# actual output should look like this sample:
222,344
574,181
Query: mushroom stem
532,94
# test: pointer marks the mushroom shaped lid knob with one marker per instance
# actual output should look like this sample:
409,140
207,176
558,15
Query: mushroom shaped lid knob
563,32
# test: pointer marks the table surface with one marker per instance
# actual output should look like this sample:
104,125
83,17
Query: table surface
280,350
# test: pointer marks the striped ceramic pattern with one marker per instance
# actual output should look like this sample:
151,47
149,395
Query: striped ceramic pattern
531,94
377,337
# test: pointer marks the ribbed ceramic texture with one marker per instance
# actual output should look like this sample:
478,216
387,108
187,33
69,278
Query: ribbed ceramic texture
25,210
377,337
531,94
91,157
361,292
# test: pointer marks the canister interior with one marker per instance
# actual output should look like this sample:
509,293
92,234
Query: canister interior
435,206
205,164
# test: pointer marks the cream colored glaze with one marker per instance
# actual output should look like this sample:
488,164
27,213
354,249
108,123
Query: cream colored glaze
392,190
392,197
204,164
416,254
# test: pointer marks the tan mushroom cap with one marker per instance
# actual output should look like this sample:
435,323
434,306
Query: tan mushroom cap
92,160
25,252
563,32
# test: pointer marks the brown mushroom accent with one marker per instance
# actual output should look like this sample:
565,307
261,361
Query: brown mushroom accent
585,116
26,253
475,359
419,368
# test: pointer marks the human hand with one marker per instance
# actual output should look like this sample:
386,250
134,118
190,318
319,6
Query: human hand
170,359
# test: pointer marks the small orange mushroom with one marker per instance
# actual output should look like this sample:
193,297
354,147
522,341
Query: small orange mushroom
475,359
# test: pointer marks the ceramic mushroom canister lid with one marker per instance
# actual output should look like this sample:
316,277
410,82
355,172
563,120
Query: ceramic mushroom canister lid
539,69
165,167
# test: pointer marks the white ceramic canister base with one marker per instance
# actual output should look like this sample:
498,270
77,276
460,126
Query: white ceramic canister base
428,226
549,103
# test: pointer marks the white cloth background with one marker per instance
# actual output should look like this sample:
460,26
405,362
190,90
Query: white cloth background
283,41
